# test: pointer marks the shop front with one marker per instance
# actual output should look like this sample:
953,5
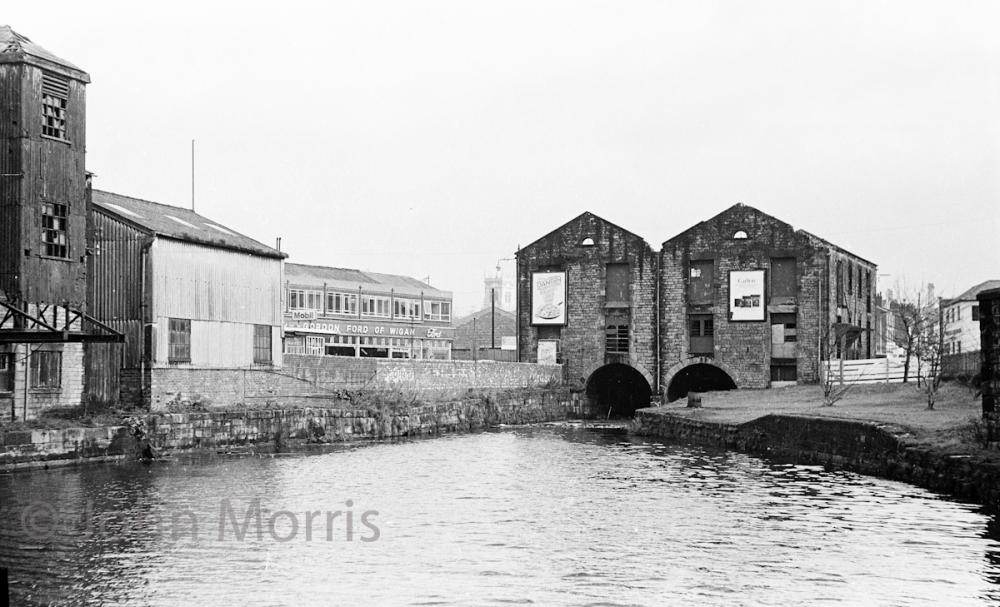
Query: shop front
360,339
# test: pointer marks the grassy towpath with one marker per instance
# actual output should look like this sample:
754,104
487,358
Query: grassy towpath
951,426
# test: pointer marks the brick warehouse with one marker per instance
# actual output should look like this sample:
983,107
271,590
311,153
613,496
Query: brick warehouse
604,334
741,300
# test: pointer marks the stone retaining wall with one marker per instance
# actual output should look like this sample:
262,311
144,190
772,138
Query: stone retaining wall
866,447
273,428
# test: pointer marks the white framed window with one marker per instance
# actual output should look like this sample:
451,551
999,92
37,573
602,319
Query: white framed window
376,305
342,303
437,310
302,299
406,308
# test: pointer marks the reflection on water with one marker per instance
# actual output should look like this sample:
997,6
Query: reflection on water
550,515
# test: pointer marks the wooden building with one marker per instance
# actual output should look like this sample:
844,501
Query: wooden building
44,242
187,292
361,314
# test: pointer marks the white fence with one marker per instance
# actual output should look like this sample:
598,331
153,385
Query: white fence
869,371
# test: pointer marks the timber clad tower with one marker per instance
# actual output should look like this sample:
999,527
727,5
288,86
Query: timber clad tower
44,240
43,182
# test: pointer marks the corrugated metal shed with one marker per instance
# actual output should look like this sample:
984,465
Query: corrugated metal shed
179,223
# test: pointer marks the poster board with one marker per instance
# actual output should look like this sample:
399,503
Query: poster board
548,298
548,351
746,295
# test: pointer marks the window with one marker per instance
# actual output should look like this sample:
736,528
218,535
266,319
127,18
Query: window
46,367
406,308
616,339
868,290
401,348
975,313
374,347
54,230
372,305
617,284
55,97
342,303
700,274
437,310
784,335
850,278
958,345
702,337
262,344
783,370
840,283
314,345
295,345
783,284
300,299
6,371
179,340
341,345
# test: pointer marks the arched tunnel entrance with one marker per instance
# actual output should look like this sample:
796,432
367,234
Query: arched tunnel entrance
617,390
700,377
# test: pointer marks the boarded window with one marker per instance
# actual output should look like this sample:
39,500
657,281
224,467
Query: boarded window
46,368
702,334
784,335
55,98
179,341
262,344
54,241
700,274
617,284
783,280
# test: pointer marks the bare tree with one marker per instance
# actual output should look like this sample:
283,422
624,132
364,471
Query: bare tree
916,318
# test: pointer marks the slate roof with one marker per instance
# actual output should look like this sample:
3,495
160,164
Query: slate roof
14,46
178,223
298,274
970,295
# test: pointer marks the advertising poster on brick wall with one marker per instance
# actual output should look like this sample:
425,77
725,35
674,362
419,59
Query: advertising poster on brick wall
548,298
746,295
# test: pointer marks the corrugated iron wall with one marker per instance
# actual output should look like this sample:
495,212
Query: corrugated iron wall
114,293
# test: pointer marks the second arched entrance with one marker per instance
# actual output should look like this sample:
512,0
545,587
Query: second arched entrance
617,390
700,377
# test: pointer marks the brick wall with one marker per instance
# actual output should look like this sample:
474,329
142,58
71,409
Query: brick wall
743,349
582,340
68,394
324,380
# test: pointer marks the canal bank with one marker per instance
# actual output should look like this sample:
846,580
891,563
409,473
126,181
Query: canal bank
878,449
381,417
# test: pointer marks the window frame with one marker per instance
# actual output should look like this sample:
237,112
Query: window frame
45,371
55,229
54,107
262,352
178,351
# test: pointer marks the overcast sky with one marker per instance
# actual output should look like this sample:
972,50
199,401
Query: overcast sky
433,138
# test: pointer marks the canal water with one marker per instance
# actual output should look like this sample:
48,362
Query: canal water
549,515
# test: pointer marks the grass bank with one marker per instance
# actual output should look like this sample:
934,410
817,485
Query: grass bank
952,426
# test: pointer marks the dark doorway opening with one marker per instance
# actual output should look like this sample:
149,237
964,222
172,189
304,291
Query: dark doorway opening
616,391
699,378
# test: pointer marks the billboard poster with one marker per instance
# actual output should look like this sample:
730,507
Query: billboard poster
548,298
746,295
